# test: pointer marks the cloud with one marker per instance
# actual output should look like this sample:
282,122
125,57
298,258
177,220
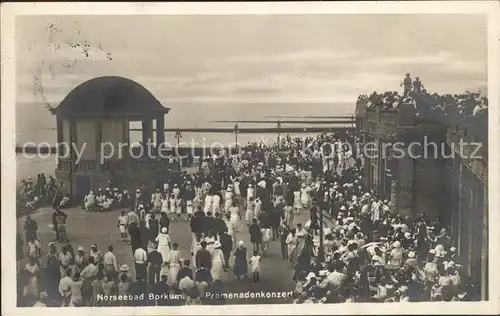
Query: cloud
305,55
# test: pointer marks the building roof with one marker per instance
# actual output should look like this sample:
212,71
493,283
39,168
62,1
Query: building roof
109,96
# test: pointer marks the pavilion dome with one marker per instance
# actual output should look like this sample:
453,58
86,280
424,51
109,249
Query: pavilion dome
109,96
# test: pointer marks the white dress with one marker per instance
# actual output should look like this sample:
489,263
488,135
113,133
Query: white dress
297,203
228,201
189,207
215,204
172,205
174,266
235,216
208,204
163,246
194,249
217,265
178,206
164,205
304,196
255,264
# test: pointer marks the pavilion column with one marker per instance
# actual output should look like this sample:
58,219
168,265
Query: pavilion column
160,130
147,130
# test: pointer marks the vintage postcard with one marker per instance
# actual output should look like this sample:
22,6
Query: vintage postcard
250,158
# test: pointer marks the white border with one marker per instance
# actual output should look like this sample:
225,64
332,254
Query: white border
8,14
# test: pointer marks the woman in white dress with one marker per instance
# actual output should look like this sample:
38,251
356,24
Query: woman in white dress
164,203
304,195
189,208
215,204
172,206
178,207
218,262
210,240
297,203
228,198
163,240
174,264
230,229
208,204
194,248
234,218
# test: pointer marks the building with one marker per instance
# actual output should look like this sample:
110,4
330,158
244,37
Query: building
94,138
431,181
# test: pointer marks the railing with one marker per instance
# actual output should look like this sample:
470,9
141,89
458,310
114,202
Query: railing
89,166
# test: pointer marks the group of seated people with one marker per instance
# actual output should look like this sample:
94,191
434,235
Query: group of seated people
106,200
31,195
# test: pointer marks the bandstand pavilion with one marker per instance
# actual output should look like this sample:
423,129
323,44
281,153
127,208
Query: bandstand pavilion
94,118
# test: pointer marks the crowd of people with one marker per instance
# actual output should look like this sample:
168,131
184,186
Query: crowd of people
368,253
451,109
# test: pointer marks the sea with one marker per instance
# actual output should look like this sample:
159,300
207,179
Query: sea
34,123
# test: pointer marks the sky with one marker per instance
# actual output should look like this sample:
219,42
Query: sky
251,58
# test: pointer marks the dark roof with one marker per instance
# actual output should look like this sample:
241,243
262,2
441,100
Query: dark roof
109,96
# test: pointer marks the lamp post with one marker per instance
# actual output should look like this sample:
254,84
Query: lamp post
178,136
236,131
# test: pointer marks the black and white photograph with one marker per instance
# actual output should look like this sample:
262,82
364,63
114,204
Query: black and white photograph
266,159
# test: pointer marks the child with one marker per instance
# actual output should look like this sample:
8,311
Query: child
255,265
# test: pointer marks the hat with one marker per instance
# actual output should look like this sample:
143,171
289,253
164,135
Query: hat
432,251
310,276
350,219
403,289
93,246
138,190
51,244
124,268
217,244
396,244
411,254
367,194
241,243
43,295
80,249
342,208
115,189
407,235
453,249
164,230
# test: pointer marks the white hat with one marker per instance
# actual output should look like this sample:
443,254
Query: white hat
310,276
262,184
164,230
403,289
407,235
80,249
453,249
217,244
411,254
342,208
241,243
367,194
396,244
249,185
138,190
350,218
124,268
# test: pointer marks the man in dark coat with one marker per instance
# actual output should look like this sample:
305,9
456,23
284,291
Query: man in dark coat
155,261
203,257
227,246
219,224
164,221
255,235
